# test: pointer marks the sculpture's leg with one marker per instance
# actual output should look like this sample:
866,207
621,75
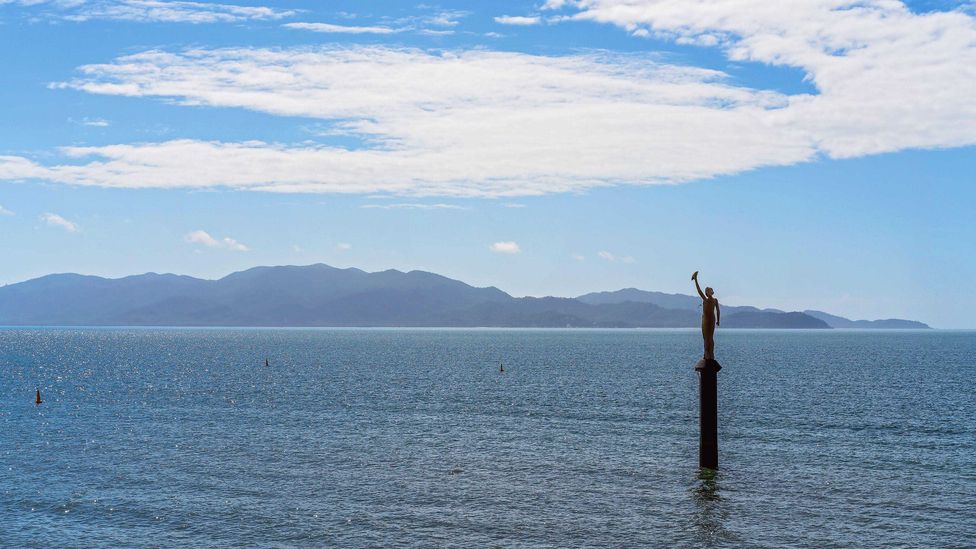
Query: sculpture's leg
708,332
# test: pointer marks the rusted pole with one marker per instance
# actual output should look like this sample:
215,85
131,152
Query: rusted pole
708,421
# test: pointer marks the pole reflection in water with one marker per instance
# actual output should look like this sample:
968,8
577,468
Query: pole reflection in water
710,514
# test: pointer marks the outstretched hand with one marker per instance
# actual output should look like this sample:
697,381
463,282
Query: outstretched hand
695,276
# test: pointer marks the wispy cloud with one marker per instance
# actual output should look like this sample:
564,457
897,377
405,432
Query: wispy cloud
485,123
442,21
520,20
434,18
160,11
505,247
340,29
343,247
413,206
515,205
436,32
470,123
614,258
5,211
155,11
578,257
95,122
55,220
203,238
855,52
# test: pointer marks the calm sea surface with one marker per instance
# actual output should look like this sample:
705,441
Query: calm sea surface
412,437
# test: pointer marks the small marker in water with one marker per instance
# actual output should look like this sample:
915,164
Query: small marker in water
267,363
37,399
501,367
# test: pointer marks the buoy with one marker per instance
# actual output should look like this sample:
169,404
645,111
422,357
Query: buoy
38,400
501,367
267,363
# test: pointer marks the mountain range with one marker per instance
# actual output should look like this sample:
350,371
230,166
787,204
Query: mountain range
320,295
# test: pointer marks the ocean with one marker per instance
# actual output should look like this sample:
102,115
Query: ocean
413,437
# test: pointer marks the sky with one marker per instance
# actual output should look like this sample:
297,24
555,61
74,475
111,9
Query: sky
816,154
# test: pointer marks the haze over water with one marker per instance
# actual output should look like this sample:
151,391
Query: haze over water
152,437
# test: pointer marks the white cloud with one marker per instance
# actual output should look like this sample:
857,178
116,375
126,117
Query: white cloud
442,18
155,11
418,23
232,244
483,123
180,12
615,258
413,206
514,205
505,247
5,211
470,123
96,122
297,249
433,32
578,257
60,3
203,238
343,247
342,29
55,220
888,78
518,20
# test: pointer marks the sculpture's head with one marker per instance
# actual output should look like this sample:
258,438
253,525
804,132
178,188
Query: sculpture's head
709,291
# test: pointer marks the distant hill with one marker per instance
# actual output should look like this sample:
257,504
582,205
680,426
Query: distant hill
835,321
682,301
320,295
767,319
668,301
661,299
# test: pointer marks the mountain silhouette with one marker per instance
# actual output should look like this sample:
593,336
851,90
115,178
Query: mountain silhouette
835,321
320,295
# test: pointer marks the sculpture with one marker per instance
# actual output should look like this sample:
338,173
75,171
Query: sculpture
711,317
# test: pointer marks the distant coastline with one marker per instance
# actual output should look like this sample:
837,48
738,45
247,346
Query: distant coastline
328,297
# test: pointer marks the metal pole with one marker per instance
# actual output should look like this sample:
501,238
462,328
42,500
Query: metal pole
708,422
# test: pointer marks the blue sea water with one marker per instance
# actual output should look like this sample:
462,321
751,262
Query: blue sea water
172,437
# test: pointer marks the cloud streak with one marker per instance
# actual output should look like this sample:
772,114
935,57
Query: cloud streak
55,220
505,247
203,238
519,20
468,123
94,122
477,123
612,258
888,79
340,29
413,206
156,11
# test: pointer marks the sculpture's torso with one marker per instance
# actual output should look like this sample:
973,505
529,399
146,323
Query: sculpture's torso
708,310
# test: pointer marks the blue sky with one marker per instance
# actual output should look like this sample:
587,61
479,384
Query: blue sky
820,156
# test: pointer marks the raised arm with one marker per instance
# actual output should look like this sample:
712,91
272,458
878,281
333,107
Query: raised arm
718,314
697,287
